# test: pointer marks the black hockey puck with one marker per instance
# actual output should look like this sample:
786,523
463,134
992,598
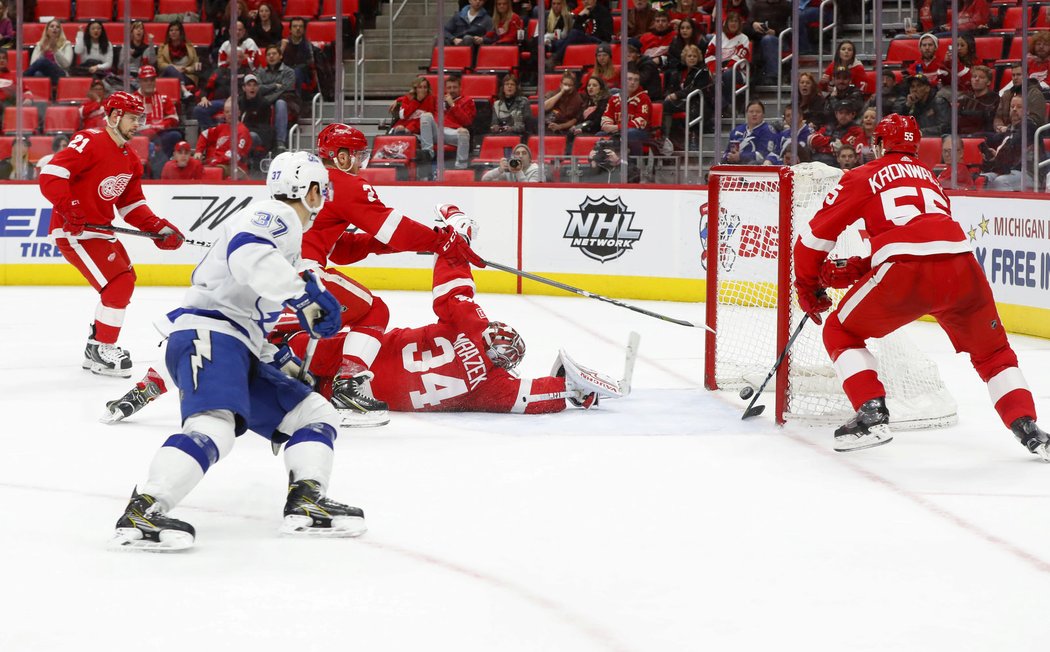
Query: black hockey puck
747,392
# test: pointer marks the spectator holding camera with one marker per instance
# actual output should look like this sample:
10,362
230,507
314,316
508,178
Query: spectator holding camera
563,107
509,109
604,162
519,168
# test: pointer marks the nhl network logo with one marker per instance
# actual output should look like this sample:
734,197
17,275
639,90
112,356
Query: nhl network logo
601,228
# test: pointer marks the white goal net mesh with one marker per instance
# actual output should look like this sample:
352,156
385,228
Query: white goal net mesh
746,339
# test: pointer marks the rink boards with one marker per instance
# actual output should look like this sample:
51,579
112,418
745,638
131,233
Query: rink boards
639,242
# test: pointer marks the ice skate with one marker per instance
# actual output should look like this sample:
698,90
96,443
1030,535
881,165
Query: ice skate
869,428
145,527
352,396
308,513
144,391
107,360
451,214
1032,437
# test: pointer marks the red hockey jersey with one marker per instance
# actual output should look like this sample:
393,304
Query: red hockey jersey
102,175
905,213
355,203
639,111
214,145
161,114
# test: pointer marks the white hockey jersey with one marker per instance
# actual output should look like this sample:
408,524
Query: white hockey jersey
241,285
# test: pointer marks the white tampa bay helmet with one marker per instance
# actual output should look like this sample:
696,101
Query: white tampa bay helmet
292,173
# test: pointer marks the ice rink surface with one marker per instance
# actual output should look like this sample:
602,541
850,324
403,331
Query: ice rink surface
656,523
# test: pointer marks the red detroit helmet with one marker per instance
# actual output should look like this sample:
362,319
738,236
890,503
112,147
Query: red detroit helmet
147,72
338,136
898,133
125,102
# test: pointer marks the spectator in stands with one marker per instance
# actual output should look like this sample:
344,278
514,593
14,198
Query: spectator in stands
92,115
459,115
52,56
768,19
930,111
256,113
141,50
846,56
510,108
754,141
827,141
656,43
892,92
277,86
639,111
842,89
592,23
596,99
868,121
507,27
266,29
604,164
1039,57
214,144
738,7
211,96
966,47
161,120
1036,101
222,26
524,8
735,48
563,108
182,166
977,107
177,57
469,26
94,54
248,53
812,105
557,24
687,10
930,65
410,107
846,158
965,179
519,168
973,18
298,54
639,18
648,71
7,32
686,33
1003,151
693,76
784,135
17,166
57,143
604,67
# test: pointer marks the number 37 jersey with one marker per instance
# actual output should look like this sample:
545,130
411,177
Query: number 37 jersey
904,209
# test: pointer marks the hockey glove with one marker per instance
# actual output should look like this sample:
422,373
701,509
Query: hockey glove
450,245
813,301
841,273
73,216
290,365
162,226
318,311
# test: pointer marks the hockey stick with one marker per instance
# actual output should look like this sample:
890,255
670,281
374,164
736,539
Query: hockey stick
755,410
109,228
592,295
308,357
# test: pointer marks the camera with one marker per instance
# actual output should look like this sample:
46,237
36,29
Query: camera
601,154
514,163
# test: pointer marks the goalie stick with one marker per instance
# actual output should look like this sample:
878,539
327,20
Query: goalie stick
753,410
109,228
624,383
592,295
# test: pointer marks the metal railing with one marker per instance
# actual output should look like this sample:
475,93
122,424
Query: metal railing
390,32
295,137
689,122
359,75
780,69
741,67
1038,166
823,29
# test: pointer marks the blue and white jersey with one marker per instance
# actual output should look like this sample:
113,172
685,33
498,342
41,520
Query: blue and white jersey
241,285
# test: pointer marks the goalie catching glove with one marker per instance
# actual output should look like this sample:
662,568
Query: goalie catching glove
318,311
842,273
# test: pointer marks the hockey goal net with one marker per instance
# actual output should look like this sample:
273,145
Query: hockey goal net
754,215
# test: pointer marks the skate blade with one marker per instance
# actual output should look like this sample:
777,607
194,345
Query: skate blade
111,417
170,541
878,436
99,370
342,527
355,419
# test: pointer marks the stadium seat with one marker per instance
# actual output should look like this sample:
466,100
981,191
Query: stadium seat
493,148
350,7
902,52
1012,20
31,33
457,59
930,150
30,119
201,33
39,147
972,151
13,57
6,143
177,6
550,84
302,9
115,32
320,31
160,32
578,57
497,58
140,9
379,175
211,173
140,145
988,49
61,120
170,86
47,9
40,87
393,150
1013,55
70,29
581,147
466,177
1042,19
553,147
72,90
478,87
98,9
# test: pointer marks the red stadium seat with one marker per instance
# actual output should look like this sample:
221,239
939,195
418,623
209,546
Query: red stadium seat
212,173
13,57
902,52
140,145
578,57
115,32
39,147
972,151
60,9
72,90
40,87
1012,20
553,147
988,49
6,143
30,119
550,84
1014,53
393,150
98,9
140,9
177,6
457,59
582,146
379,175
493,148
170,86
320,31
200,33
478,87
160,32
302,9
460,176
930,150
497,58
350,7
1042,19
61,120
31,33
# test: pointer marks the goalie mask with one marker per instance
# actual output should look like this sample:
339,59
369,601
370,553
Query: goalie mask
503,345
